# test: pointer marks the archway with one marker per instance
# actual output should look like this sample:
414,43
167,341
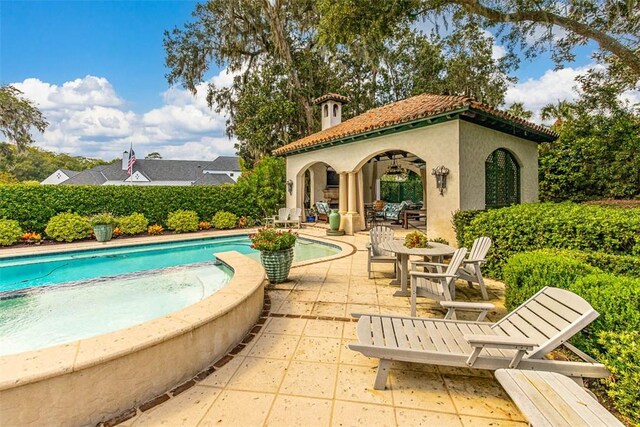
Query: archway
502,179
317,182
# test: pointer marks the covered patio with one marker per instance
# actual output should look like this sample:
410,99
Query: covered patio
466,154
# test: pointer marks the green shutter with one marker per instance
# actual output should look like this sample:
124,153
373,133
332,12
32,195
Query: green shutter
502,179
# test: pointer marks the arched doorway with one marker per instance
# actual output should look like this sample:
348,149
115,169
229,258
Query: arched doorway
317,182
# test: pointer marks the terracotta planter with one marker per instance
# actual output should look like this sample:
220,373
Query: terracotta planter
277,264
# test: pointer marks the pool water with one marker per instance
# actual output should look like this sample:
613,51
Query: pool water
41,270
60,314
52,299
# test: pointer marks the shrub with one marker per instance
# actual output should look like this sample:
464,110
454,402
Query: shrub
135,223
264,185
155,229
620,265
33,206
616,298
462,219
204,225
10,232
270,239
68,227
526,273
224,220
117,232
528,227
31,237
246,221
183,221
622,358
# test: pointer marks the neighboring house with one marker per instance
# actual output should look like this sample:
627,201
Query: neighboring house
223,170
60,176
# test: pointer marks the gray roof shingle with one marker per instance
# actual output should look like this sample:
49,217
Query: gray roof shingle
160,170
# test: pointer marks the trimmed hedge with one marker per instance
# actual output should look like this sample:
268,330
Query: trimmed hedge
527,227
528,272
461,220
610,338
33,206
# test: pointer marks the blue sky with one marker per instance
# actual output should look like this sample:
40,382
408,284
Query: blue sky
96,70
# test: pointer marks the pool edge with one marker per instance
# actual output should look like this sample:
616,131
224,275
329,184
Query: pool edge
90,380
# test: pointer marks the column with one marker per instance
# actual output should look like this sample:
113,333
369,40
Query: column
353,195
342,200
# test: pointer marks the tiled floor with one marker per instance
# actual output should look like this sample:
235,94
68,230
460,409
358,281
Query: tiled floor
300,372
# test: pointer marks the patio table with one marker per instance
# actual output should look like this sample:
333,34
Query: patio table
436,251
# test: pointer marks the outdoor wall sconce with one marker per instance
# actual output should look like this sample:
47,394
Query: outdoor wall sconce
441,173
290,186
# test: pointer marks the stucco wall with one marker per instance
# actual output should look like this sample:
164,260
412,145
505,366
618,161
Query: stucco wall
476,143
436,144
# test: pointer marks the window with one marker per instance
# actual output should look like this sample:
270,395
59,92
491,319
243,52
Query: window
326,110
502,179
231,174
335,110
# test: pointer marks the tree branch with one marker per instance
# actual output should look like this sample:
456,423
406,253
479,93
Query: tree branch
604,40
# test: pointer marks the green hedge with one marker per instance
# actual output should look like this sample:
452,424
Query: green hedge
616,298
527,227
528,272
461,220
33,206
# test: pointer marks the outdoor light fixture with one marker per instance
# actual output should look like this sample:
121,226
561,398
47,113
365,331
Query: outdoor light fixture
290,186
441,173
395,169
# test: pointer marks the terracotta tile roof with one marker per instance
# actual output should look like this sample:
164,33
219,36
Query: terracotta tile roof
408,110
334,96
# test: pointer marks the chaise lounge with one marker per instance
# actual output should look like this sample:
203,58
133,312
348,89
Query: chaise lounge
520,340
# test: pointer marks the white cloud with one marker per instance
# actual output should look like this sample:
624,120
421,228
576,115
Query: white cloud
551,87
88,118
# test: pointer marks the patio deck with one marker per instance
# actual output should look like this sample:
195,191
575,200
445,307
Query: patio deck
297,369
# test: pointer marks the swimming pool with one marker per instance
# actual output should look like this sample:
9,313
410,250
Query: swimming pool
19,273
57,298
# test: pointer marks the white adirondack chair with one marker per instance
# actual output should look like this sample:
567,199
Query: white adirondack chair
295,215
439,285
470,269
282,217
520,340
378,235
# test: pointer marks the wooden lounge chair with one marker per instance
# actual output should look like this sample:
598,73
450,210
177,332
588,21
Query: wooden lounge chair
375,255
549,399
470,269
439,285
519,340
282,217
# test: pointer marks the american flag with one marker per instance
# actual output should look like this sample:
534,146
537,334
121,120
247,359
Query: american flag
131,162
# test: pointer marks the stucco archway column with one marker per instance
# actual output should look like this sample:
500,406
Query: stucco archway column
351,220
342,194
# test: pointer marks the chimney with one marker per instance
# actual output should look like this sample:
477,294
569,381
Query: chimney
125,160
331,109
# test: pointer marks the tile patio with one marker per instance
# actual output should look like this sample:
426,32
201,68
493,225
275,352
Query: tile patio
299,371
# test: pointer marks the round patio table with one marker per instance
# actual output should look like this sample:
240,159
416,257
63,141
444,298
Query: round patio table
436,251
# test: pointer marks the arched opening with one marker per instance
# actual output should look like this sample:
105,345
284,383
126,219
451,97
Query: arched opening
394,183
502,179
335,110
318,190
326,110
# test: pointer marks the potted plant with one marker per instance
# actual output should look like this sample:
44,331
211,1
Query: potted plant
276,251
311,215
416,239
103,225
